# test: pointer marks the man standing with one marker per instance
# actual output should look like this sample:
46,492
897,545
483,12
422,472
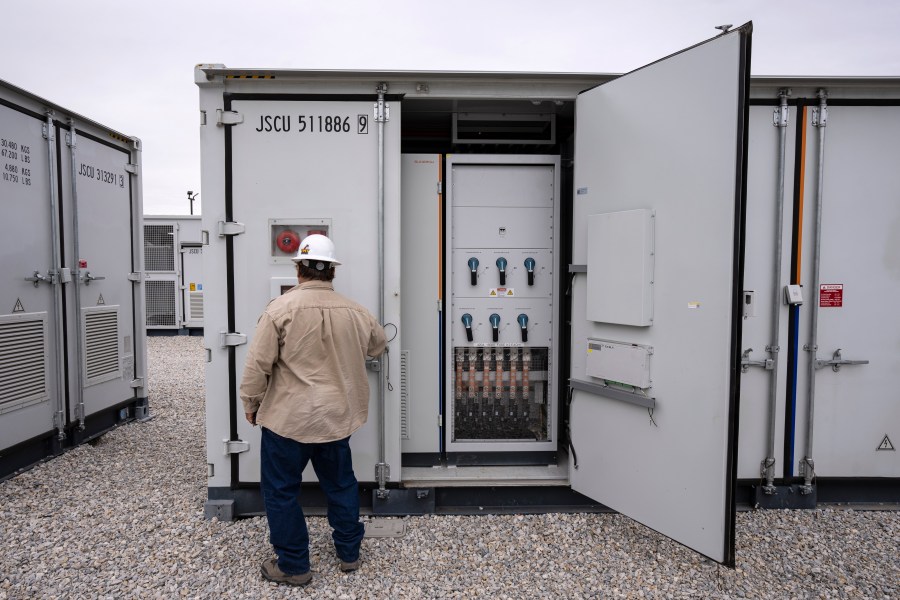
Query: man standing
305,384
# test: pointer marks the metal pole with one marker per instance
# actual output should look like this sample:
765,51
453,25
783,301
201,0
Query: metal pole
781,122
808,466
56,280
79,411
381,473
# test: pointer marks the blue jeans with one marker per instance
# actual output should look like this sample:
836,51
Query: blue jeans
282,464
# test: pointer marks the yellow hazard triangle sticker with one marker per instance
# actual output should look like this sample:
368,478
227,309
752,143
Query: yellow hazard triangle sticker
885,444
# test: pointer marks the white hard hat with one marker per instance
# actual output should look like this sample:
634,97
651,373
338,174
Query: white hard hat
316,248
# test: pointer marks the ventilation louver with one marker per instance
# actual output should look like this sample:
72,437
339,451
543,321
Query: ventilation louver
23,361
101,345
404,394
196,306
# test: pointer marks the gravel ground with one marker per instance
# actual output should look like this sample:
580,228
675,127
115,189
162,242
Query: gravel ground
123,518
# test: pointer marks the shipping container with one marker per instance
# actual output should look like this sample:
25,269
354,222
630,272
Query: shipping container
72,345
173,269
597,288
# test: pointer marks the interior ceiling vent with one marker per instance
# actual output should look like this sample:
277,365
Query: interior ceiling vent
504,128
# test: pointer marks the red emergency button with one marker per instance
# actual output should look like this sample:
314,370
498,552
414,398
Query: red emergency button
82,264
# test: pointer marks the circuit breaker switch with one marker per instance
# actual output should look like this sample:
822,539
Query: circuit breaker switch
501,267
467,323
529,266
523,323
473,267
495,325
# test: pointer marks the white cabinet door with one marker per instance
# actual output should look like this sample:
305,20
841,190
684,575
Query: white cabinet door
668,140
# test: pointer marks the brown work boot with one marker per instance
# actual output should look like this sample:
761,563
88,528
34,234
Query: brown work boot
271,572
348,567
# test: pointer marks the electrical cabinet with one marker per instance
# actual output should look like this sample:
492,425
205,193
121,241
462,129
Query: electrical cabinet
501,248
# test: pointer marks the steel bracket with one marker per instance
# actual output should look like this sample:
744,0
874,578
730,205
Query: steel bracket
227,339
768,364
131,168
88,278
137,383
231,228
135,277
235,446
837,361
373,364
38,277
228,117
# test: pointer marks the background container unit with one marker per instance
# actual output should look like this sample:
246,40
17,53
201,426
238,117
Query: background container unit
664,276
174,272
72,351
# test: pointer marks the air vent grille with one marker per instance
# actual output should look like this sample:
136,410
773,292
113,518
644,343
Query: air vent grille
404,394
160,301
101,345
196,306
23,361
159,247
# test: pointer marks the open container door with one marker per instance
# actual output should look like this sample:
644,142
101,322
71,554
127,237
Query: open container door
658,222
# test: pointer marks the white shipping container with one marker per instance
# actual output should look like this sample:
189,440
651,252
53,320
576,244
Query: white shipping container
173,264
436,208
72,346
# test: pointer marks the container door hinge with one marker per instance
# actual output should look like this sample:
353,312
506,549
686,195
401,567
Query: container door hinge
203,117
227,339
135,277
780,118
131,168
137,383
230,228
382,472
228,117
235,446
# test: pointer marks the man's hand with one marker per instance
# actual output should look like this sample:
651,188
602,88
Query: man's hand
251,418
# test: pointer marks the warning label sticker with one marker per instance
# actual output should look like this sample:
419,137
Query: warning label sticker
885,444
501,293
831,295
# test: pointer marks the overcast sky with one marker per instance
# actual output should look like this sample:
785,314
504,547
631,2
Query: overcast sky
129,65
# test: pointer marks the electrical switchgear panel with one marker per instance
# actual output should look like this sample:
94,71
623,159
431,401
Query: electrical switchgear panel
499,255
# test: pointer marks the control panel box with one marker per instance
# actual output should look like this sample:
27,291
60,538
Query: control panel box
618,362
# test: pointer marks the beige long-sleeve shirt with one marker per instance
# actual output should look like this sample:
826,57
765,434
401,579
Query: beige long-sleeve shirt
305,372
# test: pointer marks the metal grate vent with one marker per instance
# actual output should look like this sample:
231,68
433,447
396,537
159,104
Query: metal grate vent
159,297
101,345
159,247
196,305
404,394
23,361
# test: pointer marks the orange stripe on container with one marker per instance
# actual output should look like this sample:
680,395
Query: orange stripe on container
802,167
